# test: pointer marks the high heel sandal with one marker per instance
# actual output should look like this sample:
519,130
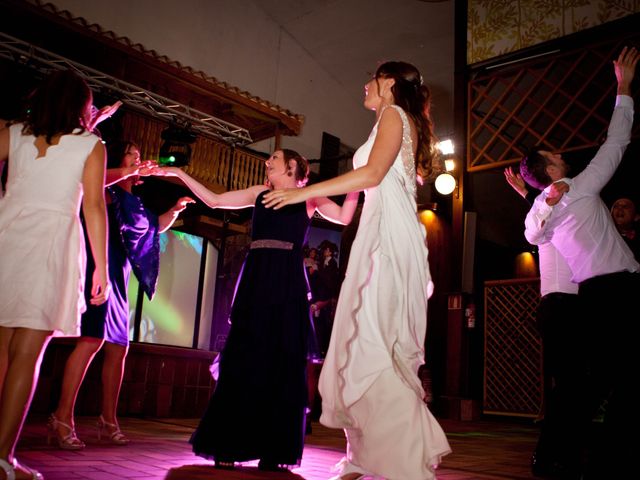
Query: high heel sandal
7,468
224,465
268,466
116,436
10,470
65,442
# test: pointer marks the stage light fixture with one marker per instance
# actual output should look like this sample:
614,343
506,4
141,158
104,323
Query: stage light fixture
176,147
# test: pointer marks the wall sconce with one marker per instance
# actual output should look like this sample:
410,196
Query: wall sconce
446,147
445,182
525,265
450,164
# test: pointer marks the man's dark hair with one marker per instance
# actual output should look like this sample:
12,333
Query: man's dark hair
533,168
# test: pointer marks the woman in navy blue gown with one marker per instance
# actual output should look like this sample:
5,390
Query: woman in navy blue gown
257,410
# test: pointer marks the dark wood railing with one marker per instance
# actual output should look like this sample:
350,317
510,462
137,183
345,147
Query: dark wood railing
210,159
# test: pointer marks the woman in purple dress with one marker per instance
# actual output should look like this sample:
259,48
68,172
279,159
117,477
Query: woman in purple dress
133,245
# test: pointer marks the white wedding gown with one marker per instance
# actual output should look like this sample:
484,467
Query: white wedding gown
369,382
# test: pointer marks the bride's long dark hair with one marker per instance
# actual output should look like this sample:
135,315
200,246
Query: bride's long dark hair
410,94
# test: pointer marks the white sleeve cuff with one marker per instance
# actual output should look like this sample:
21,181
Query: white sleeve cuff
624,101
544,210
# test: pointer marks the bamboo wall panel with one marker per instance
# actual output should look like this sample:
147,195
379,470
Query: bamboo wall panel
513,382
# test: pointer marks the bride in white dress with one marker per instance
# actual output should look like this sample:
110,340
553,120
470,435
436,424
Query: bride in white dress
369,382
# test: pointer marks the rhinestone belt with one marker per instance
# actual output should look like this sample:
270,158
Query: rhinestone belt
279,244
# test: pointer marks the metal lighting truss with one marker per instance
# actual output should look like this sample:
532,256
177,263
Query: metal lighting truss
135,97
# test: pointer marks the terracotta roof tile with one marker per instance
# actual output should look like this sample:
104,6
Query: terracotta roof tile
164,59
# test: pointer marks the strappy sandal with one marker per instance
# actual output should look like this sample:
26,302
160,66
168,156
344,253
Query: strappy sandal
10,470
65,442
224,465
268,466
116,436
7,468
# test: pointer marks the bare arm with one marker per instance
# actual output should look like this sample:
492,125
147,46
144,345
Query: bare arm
334,212
167,218
93,206
146,168
229,200
4,143
4,147
385,149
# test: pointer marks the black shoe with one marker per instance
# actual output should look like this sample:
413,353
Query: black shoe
267,466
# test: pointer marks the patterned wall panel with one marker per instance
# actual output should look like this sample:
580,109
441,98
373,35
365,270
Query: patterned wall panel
513,350
562,102
496,27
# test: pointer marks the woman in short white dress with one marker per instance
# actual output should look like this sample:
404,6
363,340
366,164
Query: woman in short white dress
54,164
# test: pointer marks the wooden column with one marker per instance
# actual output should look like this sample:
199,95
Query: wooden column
454,402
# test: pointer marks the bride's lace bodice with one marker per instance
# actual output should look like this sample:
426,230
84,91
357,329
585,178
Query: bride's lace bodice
404,164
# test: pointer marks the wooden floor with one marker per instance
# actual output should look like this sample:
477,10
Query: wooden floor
482,450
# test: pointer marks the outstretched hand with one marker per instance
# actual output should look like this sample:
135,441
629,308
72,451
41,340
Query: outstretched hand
625,67
102,114
149,168
516,181
279,198
182,203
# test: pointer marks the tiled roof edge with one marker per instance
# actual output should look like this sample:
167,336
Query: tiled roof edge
67,15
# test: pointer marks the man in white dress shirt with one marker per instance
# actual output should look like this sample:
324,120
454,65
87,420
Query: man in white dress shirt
570,214
558,453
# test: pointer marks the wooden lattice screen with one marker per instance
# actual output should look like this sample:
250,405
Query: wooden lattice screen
210,159
562,101
513,351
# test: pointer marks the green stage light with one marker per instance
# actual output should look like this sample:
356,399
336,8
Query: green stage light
176,149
